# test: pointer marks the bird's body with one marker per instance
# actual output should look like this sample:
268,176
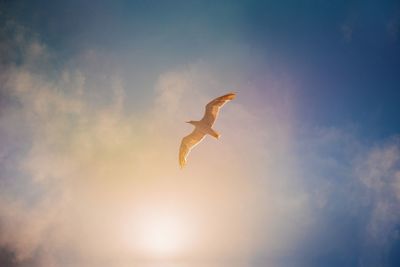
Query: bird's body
203,127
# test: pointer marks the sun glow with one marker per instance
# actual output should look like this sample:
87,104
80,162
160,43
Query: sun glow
159,234
163,235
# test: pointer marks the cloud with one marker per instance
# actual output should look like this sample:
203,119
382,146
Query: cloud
379,171
84,170
393,27
347,32
91,167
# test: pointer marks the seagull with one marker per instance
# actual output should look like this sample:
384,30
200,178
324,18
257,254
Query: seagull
203,127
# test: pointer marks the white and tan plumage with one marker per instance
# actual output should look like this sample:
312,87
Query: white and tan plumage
203,127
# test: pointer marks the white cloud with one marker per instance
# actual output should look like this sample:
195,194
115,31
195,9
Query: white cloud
88,168
378,171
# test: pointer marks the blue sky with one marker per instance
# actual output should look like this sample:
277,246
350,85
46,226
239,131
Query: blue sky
318,90
343,52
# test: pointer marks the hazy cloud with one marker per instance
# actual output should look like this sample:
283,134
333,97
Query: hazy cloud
84,176
379,172
87,170
347,32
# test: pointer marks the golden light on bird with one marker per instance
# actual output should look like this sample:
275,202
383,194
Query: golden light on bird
203,127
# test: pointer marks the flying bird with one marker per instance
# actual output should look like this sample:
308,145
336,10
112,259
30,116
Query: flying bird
203,127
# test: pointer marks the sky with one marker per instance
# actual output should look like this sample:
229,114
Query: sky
94,96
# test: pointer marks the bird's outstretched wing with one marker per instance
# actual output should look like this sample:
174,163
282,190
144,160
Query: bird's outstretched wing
188,142
213,107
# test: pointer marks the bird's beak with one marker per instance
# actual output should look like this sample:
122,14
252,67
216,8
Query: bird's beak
187,121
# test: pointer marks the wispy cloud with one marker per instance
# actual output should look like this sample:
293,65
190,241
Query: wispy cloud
82,167
379,171
347,32
87,169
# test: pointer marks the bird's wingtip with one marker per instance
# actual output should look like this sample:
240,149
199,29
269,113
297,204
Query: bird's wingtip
232,95
182,164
